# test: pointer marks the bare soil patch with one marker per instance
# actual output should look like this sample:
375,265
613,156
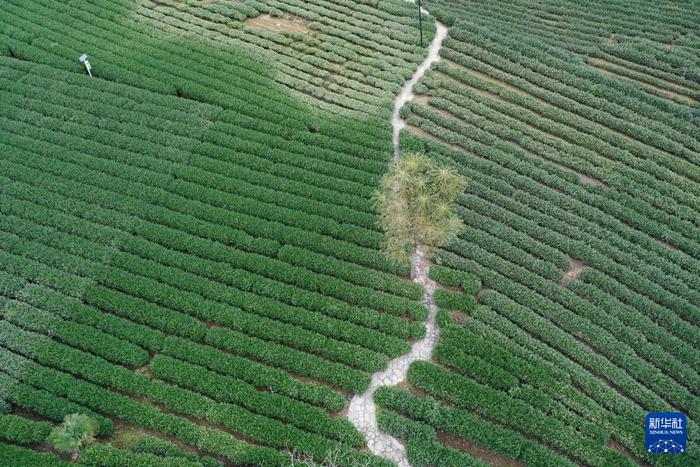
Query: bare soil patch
421,99
472,449
576,267
290,24
457,317
587,179
125,434
146,371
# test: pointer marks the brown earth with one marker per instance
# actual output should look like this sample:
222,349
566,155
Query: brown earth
289,24
575,269
457,317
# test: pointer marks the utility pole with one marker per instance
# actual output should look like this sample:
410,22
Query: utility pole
420,22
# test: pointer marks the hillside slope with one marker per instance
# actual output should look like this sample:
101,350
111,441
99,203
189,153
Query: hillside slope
188,244
582,229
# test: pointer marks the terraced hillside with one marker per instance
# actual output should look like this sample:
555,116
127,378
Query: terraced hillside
582,226
347,56
190,254
188,249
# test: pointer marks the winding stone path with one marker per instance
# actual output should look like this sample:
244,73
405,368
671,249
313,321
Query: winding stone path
406,94
362,412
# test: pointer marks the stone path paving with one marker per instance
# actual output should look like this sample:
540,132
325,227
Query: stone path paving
406,94
362,409
362,412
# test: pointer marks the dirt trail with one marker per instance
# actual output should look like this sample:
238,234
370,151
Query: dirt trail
362,411
406,94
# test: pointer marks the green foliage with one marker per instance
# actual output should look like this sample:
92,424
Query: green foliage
20,430
186,205
498,406
75,433
230,390
160,447
566,161
271,432
451,300
276,380
298,362
416,205
16,456
57,386
214,222
100,455
82,336
46,403
422,446
469,283
358,88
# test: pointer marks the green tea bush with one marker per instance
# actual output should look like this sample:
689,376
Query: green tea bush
16,455
450,300
469,283
19,430
160,447
107,456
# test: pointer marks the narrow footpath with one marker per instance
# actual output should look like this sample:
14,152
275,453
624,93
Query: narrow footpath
362,412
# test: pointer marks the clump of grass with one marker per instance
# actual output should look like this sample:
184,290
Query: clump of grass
416,202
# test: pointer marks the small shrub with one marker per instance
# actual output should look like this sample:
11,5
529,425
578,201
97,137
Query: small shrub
76,432
19,430
449,300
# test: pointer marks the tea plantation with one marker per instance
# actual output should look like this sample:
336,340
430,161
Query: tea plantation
577,129
190,252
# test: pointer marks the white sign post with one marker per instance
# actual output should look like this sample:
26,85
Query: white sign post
84,59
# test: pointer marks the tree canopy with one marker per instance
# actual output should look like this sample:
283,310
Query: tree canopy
416,202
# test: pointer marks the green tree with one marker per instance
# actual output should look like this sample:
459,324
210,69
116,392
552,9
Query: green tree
416,203
76,432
